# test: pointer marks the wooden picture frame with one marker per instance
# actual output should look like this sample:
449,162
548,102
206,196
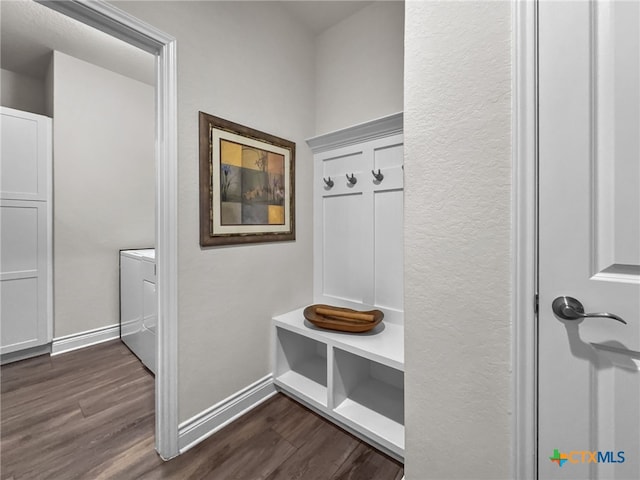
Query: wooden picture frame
247,184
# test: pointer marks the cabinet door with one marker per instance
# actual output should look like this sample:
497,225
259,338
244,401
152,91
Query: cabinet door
25,154
23,279
25,231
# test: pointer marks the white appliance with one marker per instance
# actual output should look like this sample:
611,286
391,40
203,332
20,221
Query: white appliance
138,304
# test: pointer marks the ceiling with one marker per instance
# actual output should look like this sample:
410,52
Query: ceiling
318,16
30,31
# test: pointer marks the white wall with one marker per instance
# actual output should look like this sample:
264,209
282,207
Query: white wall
251,63
457,247
22,92
359,67
104,187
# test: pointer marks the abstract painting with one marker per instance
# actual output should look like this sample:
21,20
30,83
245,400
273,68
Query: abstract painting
246,184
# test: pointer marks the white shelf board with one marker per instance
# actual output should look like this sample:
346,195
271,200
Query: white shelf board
384,344
306,384
377,407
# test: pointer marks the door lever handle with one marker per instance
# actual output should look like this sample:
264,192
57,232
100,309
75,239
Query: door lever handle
568,308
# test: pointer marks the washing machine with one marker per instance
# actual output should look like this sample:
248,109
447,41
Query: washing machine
139,304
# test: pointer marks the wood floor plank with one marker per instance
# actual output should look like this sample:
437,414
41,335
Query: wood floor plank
222,446
326,449
296,422
365,463
14,373
255,459
89,414
128,389
131,463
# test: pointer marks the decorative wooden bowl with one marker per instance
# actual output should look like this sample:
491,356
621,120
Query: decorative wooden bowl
342,319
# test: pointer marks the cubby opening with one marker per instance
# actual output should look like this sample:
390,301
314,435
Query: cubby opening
371,395
301,364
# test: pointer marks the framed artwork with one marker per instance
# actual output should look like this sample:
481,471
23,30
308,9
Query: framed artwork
247,190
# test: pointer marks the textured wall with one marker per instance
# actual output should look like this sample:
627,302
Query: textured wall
457,239
251,63
359,67
104,188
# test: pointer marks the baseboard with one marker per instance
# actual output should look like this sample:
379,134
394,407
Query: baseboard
84,339
24,354
206,423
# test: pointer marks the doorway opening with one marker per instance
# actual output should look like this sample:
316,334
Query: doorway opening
119,24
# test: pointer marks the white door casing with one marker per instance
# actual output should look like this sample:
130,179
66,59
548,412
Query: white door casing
110,19
589,239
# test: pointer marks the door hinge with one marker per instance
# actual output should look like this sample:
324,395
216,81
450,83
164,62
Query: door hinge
536,304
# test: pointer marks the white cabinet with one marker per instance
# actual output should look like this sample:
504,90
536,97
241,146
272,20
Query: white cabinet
139,304
25,230
356,380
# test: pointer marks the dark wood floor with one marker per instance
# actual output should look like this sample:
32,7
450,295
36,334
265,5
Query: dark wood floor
89,415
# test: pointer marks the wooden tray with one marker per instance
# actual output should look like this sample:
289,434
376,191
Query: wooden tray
342,324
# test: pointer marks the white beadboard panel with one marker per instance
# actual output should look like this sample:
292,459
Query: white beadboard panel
350,259
388,257
343,253
388,156
341,165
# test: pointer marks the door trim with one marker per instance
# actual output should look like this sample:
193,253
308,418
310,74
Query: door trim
524,239
112,20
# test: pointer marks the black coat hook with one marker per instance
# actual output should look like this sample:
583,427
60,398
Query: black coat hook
352,179
378,176
328,182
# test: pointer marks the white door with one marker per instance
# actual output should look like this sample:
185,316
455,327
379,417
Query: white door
25,231
589,239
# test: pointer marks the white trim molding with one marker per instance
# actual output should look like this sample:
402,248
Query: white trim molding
524,239
110,19
363,132
209,421
18,355
79,340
